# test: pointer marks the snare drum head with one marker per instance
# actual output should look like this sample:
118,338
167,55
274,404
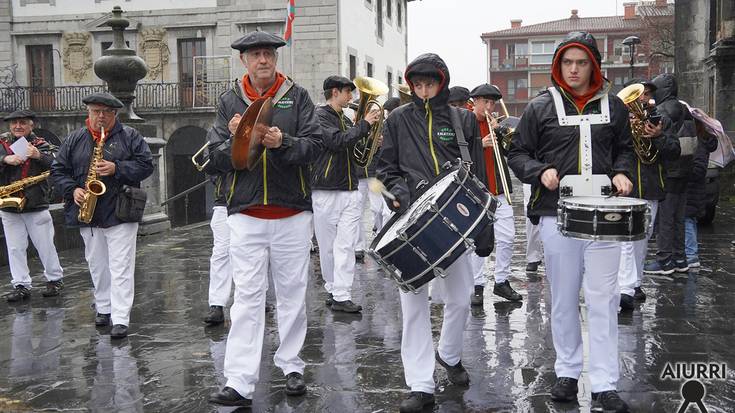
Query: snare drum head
603,201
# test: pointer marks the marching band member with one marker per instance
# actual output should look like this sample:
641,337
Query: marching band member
459,97
534,253
542,152
109,242
33,219
335,198
269,219
484,98
418,139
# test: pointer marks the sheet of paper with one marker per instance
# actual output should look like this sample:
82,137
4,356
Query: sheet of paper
20,148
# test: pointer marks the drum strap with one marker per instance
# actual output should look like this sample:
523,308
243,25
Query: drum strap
461,141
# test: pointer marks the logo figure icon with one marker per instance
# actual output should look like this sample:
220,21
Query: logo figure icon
693,392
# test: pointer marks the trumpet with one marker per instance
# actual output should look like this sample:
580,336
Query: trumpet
644,148
499,160
369,89
200,166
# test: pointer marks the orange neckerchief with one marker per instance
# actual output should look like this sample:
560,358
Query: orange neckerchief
492,180
253,94
95,135
595,85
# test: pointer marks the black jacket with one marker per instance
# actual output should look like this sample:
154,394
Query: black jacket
37,196
280,177
335,169
696,186
124,146
649,180
419,138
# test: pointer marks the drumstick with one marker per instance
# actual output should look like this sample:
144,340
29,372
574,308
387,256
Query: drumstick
376,186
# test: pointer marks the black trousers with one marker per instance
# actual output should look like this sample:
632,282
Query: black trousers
671,234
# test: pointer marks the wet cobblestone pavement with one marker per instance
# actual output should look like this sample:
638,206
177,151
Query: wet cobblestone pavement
52,358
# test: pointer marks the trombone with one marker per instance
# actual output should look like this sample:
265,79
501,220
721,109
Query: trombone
499,160
194,157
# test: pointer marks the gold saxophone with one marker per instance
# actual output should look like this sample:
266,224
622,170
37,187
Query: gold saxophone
93,186
7,201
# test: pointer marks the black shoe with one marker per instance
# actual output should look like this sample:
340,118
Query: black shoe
53,288
627,303
19,293
216,315
504,290
638,294
119,331
477,298
416,402
346,306
295,385
457,373
102,320
659,267
681,266
330,300
532,266
609,401
229,397
564,390
360,256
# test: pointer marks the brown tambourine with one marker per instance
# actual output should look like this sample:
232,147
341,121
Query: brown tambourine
247,144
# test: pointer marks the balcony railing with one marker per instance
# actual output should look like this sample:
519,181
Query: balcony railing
527,62
150,97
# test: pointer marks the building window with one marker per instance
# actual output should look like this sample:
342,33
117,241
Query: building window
353,66
621,51
521,84
511,87
542,52
399,13
494,58
188,48
389,9
389,78
369,69
379,17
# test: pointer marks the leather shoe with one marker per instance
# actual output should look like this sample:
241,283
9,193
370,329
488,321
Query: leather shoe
477,298
346,306
639,294
216,315
627,303
457,373
229,397
415,402
102,320
119,331
53,288
360,256
564,390
295,385
532,266
504,290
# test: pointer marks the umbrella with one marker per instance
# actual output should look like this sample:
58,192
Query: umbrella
724,154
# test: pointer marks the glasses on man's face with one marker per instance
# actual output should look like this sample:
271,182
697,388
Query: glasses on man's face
99,112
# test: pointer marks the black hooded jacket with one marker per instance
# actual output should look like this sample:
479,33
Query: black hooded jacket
418,138
540,143
649,180
335,169
37,196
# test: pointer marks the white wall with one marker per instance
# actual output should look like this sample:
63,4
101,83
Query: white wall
358,34
91,6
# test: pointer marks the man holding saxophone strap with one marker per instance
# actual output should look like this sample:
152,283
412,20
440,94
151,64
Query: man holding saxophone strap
335,198
269,218
109,242
32,217
484,98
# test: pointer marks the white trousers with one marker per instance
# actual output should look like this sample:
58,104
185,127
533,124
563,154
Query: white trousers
572,264
533,240
40,228
504,230
110,253
220,273
255,245
417,345
336,221
633,256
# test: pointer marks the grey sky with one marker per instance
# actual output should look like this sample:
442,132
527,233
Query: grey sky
452,28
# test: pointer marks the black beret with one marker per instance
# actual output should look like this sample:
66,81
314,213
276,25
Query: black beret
486,91
644,82
257,39
21,114
103,98
391,104
338,82
459,94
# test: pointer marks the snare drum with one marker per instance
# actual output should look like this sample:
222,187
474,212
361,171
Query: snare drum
436,230
598,218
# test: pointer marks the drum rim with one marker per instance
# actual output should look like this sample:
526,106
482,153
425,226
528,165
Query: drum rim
634,205
603,238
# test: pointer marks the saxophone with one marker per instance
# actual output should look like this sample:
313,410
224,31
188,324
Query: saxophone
6,201
93,186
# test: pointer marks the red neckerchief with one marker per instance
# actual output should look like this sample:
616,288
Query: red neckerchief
25,167
595,85
492,180
95,135
253,94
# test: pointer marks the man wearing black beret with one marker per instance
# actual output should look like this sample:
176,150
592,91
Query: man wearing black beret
459,97
30,217
109,239
269,218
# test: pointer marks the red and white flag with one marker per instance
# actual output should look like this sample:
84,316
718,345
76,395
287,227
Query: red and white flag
291,14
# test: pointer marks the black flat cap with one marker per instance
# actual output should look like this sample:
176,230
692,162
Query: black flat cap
103,98
20,114
486,91
339,82
459,94
391,104
644,82
257,39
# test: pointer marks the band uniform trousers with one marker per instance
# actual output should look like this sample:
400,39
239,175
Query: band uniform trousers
504,229
220,273
633,257
336,220
110,253
381,212
417,344
534,253
255,245
40,228
572,264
